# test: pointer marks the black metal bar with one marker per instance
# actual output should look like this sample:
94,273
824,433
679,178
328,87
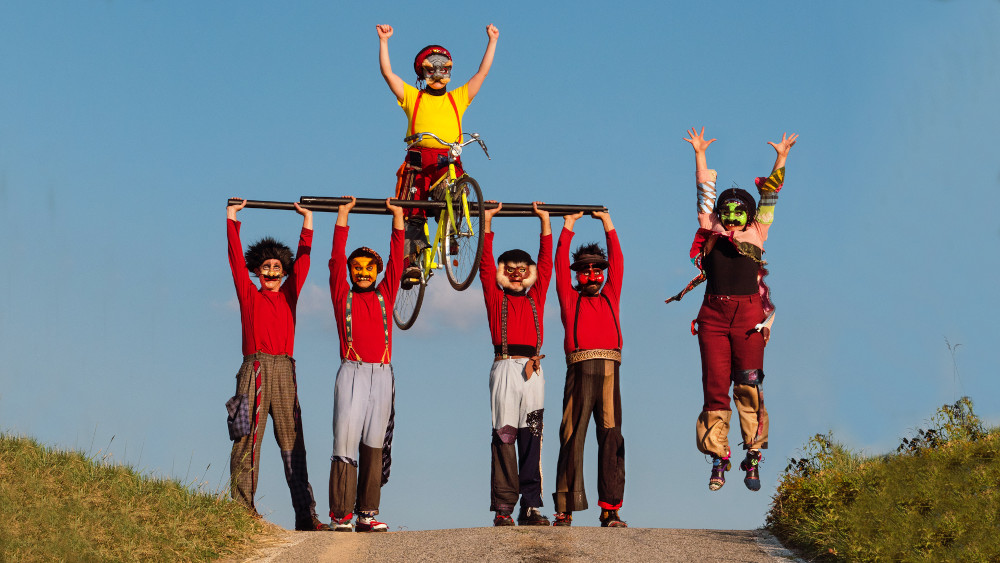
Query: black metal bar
369,206
508,210
261,204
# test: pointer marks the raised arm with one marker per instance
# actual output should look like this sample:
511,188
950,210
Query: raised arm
477,79
488,216
543,216
605,218
770,186
395,83
241,276
704,177
700,145
307,216
782,147
570,220
344,210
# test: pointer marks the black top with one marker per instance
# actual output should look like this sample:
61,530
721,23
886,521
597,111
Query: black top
728,271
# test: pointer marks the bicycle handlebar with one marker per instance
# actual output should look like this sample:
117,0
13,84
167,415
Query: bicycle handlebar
454,148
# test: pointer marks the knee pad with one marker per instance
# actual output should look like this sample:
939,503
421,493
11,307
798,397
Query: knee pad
751,377
506,435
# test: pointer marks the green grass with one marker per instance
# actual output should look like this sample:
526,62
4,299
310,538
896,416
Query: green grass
937,498
64,506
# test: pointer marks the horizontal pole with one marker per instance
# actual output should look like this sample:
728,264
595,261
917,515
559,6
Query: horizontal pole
509,209
369,206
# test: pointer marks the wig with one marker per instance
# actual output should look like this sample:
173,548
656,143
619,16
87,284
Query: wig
266,249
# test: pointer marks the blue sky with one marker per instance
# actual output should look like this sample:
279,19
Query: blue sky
125,126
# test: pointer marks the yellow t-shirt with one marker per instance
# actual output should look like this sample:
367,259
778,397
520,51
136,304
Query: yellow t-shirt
435,114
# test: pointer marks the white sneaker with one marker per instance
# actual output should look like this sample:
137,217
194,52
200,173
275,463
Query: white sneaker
342,525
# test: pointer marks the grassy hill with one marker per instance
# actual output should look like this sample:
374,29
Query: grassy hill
64,506
937,498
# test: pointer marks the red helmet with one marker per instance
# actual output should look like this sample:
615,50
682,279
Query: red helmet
427,51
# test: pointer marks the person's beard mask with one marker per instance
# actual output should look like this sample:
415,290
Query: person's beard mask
437,72
590,281
363,272
516,277
733,214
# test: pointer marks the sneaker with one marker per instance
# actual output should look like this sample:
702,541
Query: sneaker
411,277
563,519
369,524
503,519
750,464
341,524
610,519
719,467
311,525
531,516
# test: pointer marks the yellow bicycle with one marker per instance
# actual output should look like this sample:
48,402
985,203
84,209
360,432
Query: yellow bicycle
457,244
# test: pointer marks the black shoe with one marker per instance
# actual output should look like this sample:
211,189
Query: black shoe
531,516
610,519
719,467
311,525
750,465
563,519
411,277
503,519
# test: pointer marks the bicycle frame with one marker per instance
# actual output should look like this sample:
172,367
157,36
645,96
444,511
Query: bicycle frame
430,262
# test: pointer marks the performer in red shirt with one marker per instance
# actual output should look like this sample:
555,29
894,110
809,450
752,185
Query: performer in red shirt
266,380
514,291
593,345
364,393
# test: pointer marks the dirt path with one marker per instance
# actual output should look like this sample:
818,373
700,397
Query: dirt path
530,544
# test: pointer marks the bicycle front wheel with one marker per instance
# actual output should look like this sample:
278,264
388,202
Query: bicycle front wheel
408,301
464,247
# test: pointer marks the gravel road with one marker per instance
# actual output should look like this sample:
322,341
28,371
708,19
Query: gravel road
533,544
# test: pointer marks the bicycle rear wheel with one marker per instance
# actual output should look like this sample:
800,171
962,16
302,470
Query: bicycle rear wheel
408,301
463,248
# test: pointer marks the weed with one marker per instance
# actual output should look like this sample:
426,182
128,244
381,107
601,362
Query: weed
937,499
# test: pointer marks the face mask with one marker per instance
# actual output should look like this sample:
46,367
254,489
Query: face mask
592,276
363,271
437,71
733,213
271,270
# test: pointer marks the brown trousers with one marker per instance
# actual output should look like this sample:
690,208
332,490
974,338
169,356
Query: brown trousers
269,383
591,390
356,489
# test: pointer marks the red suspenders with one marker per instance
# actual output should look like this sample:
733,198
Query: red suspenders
416,106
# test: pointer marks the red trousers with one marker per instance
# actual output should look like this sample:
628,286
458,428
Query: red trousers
728,344
423,166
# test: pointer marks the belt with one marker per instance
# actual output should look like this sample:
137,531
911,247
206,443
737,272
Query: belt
577,356
534,362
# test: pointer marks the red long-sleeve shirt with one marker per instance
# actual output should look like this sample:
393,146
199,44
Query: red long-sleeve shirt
595,328
268,317
367,326
520,321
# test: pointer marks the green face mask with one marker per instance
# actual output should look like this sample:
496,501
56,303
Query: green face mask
733,213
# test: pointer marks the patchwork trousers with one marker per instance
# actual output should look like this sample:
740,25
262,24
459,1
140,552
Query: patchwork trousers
591,390
732,353
516,407
269,384
362,405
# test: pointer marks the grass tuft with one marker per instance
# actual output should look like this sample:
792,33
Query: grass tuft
936,499
63,505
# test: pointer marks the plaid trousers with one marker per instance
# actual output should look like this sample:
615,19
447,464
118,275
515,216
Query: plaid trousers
269,383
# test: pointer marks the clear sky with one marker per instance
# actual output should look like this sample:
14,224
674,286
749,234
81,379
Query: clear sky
124,126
